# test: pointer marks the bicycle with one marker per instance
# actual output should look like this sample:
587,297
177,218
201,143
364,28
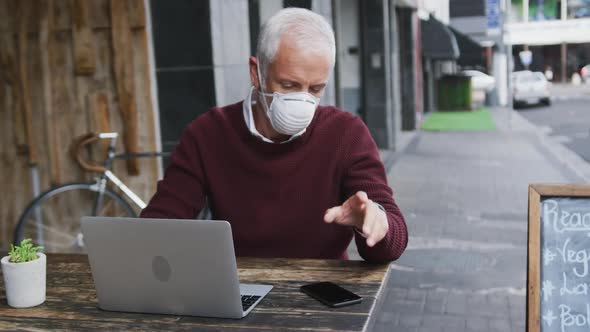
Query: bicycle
53,217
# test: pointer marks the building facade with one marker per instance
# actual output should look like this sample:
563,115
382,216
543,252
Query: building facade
483,21
557,33
202,48
553,35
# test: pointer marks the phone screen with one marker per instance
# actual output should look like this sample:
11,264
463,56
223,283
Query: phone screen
330,294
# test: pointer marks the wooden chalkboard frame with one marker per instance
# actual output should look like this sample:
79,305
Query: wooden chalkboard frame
536,194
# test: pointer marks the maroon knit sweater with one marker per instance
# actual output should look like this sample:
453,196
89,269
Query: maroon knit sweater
275,195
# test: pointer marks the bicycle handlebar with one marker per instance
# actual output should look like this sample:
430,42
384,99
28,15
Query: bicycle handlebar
77,150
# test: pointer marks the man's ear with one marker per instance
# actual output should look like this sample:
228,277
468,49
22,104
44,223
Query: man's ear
253,63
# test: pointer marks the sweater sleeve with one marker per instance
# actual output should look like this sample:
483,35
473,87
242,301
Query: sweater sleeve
181,193
365,171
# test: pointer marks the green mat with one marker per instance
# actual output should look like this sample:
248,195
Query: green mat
478,120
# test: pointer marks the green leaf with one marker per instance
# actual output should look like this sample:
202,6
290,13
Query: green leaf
26,252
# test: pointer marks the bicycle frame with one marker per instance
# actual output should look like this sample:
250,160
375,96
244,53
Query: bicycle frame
108,175
99,187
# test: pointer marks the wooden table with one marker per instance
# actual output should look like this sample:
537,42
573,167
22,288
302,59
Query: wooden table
71,300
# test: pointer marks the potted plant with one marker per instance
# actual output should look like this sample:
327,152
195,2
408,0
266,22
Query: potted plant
24,271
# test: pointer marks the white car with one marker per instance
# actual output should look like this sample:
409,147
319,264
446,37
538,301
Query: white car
530,88
480,81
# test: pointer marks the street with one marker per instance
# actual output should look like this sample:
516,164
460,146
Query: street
567,119
464,196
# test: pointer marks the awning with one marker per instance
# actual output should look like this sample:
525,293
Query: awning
472,53
438,42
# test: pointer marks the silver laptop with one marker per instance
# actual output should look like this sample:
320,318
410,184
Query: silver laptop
167,266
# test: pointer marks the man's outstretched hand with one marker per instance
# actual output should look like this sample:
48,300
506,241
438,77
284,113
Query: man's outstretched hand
360,212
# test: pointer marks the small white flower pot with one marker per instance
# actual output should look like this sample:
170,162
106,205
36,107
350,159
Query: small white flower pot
25,282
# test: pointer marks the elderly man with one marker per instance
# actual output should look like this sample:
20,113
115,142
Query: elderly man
294,179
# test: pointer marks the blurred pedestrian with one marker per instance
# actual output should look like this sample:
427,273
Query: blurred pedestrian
548,73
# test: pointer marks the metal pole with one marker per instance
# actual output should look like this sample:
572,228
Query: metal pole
36,192
509,60
502,47
563,62
564,45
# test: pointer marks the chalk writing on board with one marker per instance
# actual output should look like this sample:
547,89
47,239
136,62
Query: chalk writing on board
565,221
549,317
565,272
548,256
548,289
576,257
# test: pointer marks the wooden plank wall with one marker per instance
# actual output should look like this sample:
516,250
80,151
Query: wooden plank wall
81,74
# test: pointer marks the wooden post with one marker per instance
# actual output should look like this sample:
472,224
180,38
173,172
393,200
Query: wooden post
99,107
46,44
84,54
24,11
2,90
123,64
137,14
533,262
8,57
7,64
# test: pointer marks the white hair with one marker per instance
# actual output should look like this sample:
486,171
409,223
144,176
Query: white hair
305,28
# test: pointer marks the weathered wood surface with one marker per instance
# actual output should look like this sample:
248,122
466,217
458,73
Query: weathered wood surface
46,43
24,12
84,54
45,104
124,78
99,17
71,300
99,107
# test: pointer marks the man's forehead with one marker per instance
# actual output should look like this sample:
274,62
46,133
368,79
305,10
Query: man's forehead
298,63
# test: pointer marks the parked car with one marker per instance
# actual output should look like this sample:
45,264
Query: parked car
530,88
585,73
480,81
582,12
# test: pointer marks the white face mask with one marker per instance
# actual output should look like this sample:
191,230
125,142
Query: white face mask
289,113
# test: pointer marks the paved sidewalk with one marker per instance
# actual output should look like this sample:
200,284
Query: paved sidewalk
464,196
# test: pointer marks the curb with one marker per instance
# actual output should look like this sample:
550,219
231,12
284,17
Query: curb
389,157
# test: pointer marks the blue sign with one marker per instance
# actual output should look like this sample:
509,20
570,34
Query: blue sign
494,16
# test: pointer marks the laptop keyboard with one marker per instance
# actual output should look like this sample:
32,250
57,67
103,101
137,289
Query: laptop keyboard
248,301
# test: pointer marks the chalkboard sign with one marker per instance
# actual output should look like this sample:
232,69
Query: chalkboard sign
558,282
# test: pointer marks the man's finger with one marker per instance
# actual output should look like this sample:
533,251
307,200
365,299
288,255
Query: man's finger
332,214
341,215
357,200
374,220
362,196
368,219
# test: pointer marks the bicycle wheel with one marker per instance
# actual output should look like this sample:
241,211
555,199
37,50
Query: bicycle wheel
52,219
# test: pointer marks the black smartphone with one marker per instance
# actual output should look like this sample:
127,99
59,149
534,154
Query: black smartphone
331,294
